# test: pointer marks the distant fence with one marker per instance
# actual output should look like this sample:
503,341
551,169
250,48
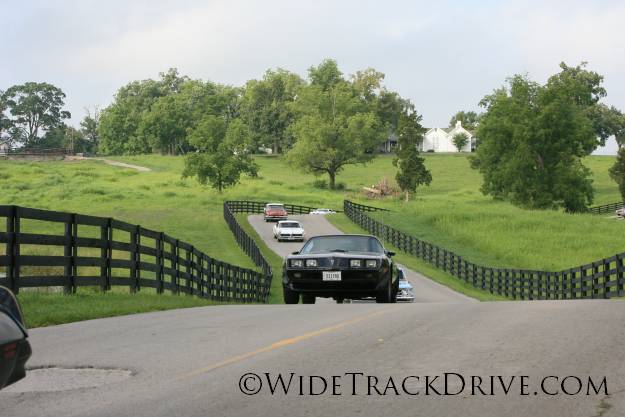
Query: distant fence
35,152
604,278
105,252
607,208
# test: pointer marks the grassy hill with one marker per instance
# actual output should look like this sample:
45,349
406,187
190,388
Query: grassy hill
451,212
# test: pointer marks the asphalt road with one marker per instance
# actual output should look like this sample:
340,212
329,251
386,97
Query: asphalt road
425,289
190,362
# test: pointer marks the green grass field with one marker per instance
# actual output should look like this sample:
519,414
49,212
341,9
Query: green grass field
451,212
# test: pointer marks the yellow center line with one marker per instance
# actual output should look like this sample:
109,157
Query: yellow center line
282,343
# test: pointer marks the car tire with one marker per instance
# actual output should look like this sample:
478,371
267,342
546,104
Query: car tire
308,299
385,295
290,296
340,300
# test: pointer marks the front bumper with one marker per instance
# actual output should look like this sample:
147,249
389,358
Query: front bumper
291,237
275,218
354,283
406,296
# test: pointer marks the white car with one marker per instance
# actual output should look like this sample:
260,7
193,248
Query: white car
322,211
621,212
288,230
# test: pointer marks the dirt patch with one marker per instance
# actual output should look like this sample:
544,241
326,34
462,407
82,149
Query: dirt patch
110,162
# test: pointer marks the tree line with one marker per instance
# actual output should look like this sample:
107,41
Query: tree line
532,137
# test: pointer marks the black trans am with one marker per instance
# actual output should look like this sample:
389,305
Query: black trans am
340,266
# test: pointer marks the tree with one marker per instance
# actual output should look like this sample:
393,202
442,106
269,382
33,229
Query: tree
5,122
221,158
165,125
64,137
533,138
335,126
89,127
460,140
326,75
266,108
119,129
35,107
119,122
617,172
469,119
412,171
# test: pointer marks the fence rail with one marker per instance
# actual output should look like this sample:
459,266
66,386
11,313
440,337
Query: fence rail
104,252
607,208
604,278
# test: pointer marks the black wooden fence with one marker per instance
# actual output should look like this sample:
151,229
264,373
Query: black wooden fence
601,279
607,208
104,252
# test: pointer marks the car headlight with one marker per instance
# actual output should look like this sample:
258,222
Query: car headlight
355,263
372,263
297,263
311,262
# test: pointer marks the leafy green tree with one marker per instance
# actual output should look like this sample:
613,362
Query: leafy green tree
617,172
119,122
267,111
64,137
533,138
89,128
326,75
34,107
469,119
5,122
335,125
120,128
460,140
165,125
412,171
221,156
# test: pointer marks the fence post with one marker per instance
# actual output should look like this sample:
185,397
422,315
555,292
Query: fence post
175,277
134,258
620,274
69,252
105,256
159,264
188,280
11,250
606,278
595,279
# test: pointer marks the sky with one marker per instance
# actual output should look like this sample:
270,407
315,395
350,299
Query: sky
443,55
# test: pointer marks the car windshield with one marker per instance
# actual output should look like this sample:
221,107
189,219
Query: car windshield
290,224
275,207
321,244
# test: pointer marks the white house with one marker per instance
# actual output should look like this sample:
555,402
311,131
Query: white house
440,139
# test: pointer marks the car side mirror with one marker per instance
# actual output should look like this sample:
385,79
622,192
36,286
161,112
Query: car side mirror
9,304
295,253
390,253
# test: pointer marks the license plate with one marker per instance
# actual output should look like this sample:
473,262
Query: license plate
331,275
